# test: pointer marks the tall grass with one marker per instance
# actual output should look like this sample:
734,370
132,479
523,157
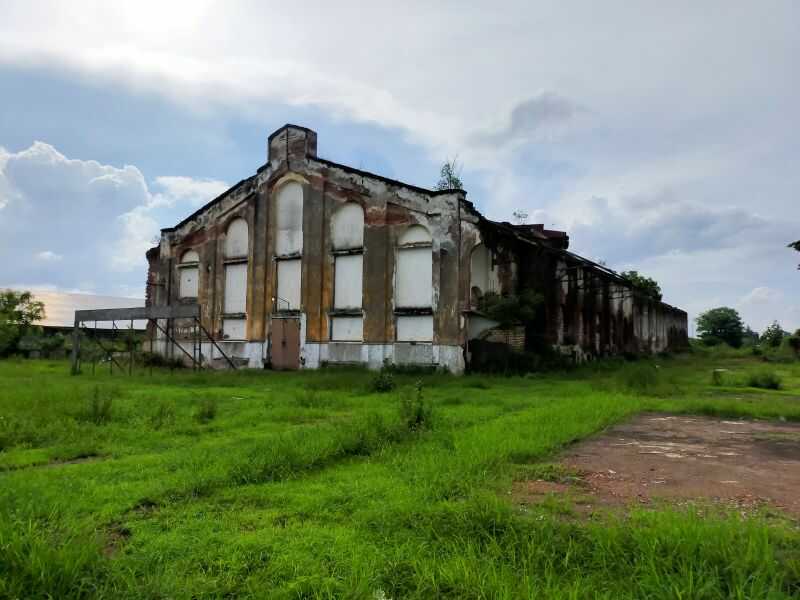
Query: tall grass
313,485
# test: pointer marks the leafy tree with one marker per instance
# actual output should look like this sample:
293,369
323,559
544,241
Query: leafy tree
511,308
794,342
643,284
450,176
720,325
773,335
18,313
796,246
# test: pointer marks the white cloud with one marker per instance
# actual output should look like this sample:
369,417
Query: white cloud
657,135
98,220
762,295
194,192
48,256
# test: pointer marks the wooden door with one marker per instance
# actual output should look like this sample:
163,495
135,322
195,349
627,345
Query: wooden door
285,344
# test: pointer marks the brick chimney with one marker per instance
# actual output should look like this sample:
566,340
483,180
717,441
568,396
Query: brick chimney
291,141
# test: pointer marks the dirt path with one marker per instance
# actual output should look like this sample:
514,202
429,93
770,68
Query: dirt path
746,464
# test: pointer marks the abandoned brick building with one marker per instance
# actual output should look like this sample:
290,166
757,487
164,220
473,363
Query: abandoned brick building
310,262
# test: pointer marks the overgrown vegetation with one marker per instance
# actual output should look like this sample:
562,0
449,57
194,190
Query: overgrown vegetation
511,309
317,485
19,312
764,378
646,286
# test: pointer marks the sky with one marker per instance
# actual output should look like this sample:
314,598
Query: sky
663,136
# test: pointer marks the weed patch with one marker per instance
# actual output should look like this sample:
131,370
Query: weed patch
416,414
206,410
99,405
764,379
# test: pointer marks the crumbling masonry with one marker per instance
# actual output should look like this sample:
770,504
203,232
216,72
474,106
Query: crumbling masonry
310,262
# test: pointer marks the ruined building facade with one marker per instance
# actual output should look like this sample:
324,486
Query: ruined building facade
310,262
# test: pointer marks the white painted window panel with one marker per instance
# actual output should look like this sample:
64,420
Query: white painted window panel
289,275
414,278
347,226
289,219
235,288
415,328
347,329
234,329
347,289
236,239
416,234
188,284
190,256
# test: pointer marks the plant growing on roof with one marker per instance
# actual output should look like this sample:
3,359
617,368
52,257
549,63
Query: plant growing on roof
643,284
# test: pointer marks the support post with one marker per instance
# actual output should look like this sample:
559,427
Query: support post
76,345
132,341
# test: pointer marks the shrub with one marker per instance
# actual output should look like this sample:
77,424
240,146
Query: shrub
383,382
415,413
98,410
768,380
154,359
717,377
206,410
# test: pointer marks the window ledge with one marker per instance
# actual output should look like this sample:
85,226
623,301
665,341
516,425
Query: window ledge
413,311
346,312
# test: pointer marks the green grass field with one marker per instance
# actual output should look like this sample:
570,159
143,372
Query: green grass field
311,485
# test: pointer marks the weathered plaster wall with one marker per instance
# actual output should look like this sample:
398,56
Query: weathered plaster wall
373,270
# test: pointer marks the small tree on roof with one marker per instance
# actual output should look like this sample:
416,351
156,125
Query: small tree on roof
450,176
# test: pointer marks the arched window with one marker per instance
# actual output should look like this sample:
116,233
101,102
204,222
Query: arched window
289,245
235,298
347,227
289,219
414,286
189,267
347,235
236,239
483,276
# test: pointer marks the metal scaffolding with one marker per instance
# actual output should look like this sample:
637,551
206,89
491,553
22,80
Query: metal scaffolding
151,314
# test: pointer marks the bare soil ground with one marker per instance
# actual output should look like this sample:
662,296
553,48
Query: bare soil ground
655,457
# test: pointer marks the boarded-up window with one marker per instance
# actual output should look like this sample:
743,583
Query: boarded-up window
289,219
236,288
414,284
236,239
416,328
233,329
347,227
235,297
414,277
189,274
347,235
347,329
348,279
288,285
